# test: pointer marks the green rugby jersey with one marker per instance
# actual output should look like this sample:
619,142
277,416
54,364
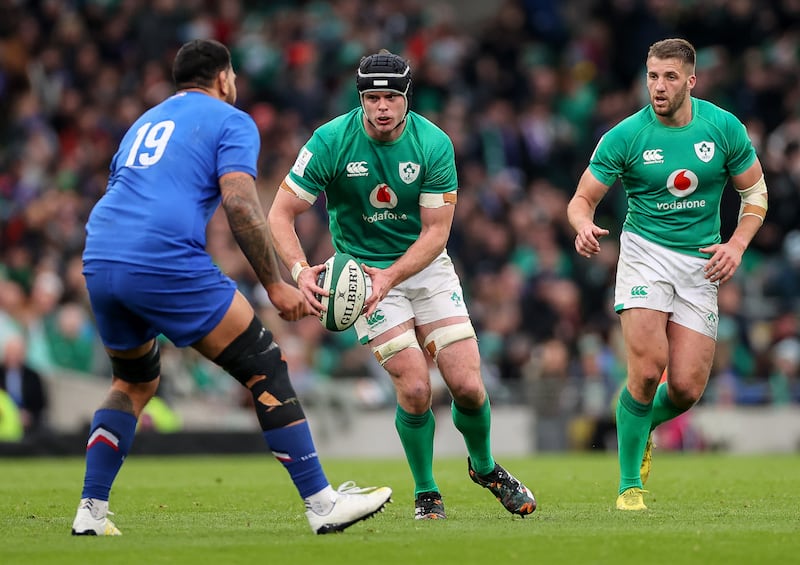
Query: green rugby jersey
674,176
373,188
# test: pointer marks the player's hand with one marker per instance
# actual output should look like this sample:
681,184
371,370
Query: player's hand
381,285
289,301
587,242
307,284
724,261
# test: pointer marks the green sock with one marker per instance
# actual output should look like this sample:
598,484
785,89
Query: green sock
416,435
475,426
663,407
633,427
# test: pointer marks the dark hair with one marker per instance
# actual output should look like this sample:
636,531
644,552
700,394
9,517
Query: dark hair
673,48
198,63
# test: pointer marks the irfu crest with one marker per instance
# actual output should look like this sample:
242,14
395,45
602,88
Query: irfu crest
704,150
409,172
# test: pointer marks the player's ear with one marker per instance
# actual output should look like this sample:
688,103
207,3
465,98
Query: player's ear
222,82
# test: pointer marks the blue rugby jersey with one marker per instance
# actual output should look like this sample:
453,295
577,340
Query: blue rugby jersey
163,185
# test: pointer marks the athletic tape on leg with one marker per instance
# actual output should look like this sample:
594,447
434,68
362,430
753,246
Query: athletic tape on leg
440,338
386,351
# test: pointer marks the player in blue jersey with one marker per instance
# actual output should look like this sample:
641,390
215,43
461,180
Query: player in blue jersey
147,273
389,178
673,157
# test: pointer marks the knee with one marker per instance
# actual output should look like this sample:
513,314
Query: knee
651,379
468,393
135,381
686,395
255,360
140,370
643,384
646,372
414,395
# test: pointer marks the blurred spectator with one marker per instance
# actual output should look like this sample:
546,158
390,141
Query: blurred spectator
733,372
11,429
25,386
34,311
72,339
12,304
524,93
783,282
158,416
784,377
552,394
602,375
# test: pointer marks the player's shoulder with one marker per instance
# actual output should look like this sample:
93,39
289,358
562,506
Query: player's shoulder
635,122
191,106
422,124
228,111
427,135
707,107
626,132
709,112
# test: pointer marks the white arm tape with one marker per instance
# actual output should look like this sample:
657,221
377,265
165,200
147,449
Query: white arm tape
754,200
437,199
292,187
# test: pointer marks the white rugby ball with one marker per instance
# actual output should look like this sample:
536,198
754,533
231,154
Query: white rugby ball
346,282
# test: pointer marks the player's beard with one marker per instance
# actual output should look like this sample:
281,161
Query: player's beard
673,105
230,98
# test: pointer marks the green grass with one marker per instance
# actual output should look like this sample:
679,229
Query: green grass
224,510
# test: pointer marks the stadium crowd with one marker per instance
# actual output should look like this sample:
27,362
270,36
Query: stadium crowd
524,93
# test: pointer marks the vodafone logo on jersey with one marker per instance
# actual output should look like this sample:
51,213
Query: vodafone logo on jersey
382,196
682,183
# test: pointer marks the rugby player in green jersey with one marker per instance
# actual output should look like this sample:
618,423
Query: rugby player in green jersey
389,177
673,157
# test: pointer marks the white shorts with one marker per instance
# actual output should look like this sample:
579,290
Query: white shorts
431,295
654,277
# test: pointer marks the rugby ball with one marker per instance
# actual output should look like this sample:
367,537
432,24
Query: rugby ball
346,282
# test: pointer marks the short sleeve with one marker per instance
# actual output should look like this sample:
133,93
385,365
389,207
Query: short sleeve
607,162
238,146
309,171
441,174
742,153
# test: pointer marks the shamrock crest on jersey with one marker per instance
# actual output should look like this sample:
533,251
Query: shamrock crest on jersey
408,172
704,150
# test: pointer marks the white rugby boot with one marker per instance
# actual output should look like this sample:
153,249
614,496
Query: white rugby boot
349,504
92,519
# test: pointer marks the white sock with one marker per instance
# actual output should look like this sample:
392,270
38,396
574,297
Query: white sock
322,502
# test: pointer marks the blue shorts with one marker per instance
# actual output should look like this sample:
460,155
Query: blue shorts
132,305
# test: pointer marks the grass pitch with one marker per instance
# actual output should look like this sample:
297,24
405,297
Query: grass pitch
704,509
